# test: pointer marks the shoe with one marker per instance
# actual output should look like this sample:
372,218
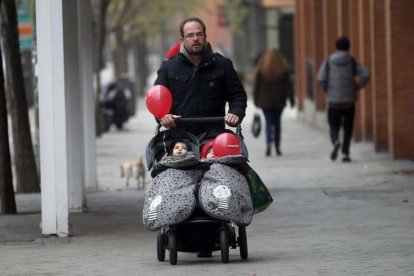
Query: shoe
346,159
205,254
267,152
278,152
334,153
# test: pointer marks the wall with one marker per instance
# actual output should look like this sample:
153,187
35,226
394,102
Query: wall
380,34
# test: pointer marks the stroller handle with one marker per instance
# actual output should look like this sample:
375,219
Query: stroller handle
203,119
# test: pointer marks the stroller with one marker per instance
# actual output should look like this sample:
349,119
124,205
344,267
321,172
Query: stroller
192,228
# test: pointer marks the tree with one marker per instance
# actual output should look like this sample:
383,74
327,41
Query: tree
7,201
132,22
236,13
27,179
100,8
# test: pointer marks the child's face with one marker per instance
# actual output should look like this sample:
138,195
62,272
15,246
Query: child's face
210,153
179,149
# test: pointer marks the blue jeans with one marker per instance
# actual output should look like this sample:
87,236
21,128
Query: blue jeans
273,118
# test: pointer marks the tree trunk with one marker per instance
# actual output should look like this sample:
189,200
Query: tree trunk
100,12
27,179
141,64
7,201
120,54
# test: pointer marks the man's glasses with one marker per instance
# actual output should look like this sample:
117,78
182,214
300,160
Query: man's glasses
196,35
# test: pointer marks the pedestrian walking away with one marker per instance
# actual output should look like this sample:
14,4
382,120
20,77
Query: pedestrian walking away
201,82
272,89
341,77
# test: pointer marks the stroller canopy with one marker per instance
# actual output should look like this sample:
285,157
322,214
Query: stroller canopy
209,136
162,143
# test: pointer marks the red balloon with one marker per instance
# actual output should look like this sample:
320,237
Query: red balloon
226,144
159,100
175,49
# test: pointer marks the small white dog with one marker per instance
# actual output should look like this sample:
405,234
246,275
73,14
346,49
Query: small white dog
134,169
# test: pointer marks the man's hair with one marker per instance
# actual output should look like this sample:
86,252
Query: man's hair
342,43
196,19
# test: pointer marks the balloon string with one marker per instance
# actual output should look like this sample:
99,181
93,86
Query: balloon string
163,142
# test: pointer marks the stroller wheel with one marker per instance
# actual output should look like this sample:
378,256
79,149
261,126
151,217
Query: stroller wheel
242,241
172,247
161,245
224,245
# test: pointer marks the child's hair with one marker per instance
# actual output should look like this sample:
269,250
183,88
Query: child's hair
178,141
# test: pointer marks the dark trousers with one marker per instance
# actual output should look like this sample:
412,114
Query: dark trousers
273,118
341,117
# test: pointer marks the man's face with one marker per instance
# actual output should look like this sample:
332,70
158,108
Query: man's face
179,149
194,38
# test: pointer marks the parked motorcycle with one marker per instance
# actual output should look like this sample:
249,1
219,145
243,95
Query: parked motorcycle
125,83
115,106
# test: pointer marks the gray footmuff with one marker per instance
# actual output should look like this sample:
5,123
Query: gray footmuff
170,198
224,192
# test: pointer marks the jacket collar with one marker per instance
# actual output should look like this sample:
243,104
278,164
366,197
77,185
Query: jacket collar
208,56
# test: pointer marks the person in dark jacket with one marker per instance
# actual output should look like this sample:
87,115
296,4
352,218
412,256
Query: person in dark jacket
271,91
341,76
201,83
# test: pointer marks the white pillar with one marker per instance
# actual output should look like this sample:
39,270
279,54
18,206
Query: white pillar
88,93
74,110
52,117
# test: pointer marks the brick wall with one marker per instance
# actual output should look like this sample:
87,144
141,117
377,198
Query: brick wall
354,26
381,38
365,54
218,35
300,55
401,73
318,53
343,17
379,75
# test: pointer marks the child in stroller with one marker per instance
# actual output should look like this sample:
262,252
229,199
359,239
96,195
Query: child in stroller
179,149
198,224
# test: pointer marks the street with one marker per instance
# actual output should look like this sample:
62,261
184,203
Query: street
328,218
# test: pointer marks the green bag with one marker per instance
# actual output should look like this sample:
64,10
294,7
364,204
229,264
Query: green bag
261,197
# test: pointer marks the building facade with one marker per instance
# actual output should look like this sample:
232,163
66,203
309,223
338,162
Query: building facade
380,35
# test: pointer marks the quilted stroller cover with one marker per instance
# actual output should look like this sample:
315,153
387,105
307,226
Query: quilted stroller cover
170,198
224,192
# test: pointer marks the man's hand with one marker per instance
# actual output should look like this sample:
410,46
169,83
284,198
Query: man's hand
231,119
169,120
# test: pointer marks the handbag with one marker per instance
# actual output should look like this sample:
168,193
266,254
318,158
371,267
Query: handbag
261,197
256,125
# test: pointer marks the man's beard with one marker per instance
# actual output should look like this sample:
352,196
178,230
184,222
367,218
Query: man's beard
197,53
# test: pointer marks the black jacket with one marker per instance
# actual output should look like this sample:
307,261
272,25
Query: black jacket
204,90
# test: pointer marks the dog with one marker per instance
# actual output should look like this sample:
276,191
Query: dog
134,169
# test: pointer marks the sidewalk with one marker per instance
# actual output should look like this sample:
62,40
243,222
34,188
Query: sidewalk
318,204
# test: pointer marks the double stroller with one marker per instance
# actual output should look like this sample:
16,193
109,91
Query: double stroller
195,205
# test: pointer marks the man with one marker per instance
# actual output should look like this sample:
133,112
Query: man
341,76
201,83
